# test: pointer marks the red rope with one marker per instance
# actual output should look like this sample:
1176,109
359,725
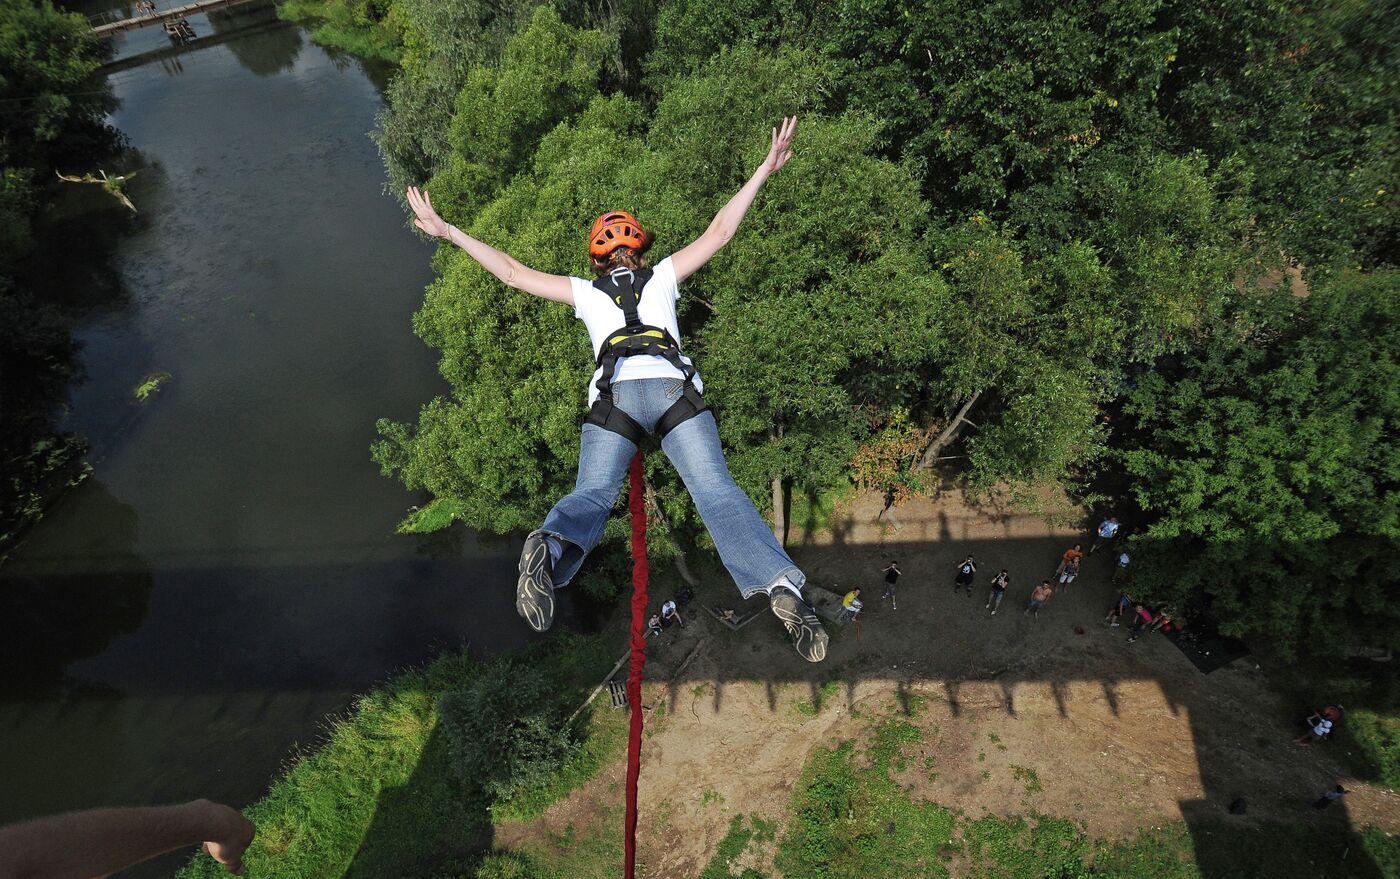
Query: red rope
634,679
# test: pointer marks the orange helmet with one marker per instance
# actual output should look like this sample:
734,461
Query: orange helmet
616,229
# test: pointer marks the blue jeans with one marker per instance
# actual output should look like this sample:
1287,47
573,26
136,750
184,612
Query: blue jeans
745,542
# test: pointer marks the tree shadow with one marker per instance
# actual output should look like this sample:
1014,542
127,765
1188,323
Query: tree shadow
56,612
428,826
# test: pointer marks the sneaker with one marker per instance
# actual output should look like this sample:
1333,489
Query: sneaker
994,613
808,636
534,591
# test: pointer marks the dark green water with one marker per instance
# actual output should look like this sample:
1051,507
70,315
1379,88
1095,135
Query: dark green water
228,575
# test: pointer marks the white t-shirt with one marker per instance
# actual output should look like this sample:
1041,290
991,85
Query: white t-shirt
658,308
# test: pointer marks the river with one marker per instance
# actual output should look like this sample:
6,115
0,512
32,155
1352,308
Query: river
185,619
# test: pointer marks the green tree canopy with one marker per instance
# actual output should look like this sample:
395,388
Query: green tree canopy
1268,464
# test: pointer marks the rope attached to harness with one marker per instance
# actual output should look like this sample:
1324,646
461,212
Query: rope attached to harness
636,506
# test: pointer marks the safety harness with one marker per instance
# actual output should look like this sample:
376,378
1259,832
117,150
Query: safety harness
624,288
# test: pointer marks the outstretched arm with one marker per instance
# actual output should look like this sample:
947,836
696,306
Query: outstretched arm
81,845
506,268
689,259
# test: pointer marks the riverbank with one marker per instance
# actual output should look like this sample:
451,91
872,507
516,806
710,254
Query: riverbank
379,797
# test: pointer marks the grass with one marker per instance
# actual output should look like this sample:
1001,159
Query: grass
336,24
1029,776
743,834
378,797
850,819
1376,738
810,515
437,514
825,693
149,384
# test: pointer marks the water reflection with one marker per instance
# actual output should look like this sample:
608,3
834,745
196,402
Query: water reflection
59,607
275,51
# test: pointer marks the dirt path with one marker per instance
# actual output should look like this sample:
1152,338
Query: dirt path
1118,736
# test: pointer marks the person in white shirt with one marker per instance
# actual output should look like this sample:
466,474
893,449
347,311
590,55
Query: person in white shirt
1319,730
644,385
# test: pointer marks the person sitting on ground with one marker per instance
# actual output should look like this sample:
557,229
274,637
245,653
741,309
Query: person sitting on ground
891,575
1319,728
643,385
670,614
1115,613
966,569
99,842
1108,530
1141,620
1073,554
654,626
1069,572
850,604
999,584
1039,595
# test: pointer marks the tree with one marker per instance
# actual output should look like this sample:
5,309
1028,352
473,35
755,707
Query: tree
547,75
844,329
1267,464
51,111
505,731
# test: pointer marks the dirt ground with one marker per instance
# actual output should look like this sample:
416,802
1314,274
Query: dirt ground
1117,736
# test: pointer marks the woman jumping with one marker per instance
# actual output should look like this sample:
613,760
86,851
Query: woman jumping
643,385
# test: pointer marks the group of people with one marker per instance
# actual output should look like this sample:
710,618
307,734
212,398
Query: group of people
965,575
669,615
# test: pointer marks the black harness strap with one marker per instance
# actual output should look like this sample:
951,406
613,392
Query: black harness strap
625,288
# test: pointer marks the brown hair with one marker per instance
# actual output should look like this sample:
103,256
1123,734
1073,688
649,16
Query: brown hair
623,257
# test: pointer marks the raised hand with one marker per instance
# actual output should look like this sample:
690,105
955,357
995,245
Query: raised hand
781,150
424,217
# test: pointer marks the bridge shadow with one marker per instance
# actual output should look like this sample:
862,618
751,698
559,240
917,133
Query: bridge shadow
945,647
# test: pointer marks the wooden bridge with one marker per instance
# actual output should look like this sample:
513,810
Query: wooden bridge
166,16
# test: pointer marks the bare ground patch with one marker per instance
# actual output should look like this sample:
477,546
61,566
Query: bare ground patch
1055,715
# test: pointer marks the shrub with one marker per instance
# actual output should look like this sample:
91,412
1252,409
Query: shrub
505,730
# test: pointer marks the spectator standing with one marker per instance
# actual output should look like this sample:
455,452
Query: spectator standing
1108,531
1073,554
999,584
1039,595
1120,570
1068,572
891,575
966,568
